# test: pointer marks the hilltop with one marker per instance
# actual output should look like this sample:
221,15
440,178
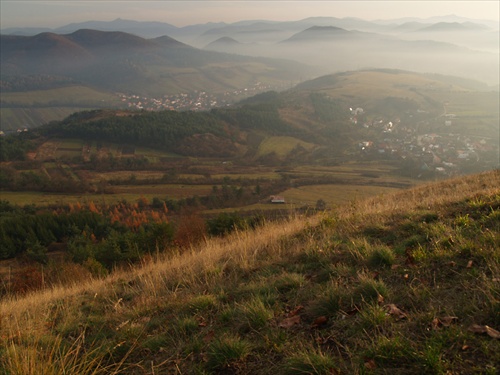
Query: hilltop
403,283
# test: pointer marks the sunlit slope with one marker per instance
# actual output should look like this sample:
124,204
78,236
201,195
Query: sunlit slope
378,286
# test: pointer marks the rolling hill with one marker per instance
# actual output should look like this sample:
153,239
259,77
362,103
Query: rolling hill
443,124
117,61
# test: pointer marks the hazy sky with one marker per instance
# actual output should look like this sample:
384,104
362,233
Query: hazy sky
42,13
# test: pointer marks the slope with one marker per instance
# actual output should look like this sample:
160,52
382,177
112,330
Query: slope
405,283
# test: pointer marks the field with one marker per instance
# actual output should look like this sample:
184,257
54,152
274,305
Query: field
282,146
29,109
332,194
77,96
170,176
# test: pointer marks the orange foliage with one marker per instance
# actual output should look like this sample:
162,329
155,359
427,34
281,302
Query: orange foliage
92,207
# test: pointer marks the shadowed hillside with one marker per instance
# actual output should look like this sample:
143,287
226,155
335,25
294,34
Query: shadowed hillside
118,61
404,283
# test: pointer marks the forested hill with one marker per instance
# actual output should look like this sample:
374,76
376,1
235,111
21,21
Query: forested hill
222,131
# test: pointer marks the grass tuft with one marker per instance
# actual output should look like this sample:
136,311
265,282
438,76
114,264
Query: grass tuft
310,362
227,353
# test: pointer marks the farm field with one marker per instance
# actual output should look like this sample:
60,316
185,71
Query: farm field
20,118
332,195
30,109
301,185
130,195
308,195
77,96
282,146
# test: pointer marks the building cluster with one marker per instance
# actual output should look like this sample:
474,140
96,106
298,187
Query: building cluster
193,101
446,153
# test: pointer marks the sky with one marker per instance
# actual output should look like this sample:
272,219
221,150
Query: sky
56,13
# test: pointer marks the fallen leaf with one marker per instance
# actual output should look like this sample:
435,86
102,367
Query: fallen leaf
465,347
290,322
447,320
353,311
319,321
492,332
295,311
476,328
393,310
209,336
435,324
370,364
469,264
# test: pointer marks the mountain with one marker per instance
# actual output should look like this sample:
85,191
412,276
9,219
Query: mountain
119,61
331,45
223,44
320,34
144,29
453,26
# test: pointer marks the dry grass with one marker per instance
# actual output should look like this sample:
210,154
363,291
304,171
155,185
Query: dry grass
388,285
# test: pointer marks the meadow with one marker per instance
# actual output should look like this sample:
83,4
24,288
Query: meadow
30,109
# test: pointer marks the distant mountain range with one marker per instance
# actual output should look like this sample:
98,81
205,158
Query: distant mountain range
118,61
156,59
462,49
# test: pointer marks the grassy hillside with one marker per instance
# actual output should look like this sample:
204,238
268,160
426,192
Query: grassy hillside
405,283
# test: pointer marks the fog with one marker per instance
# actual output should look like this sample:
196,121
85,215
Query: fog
463,49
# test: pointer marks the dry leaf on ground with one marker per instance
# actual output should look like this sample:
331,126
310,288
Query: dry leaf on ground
393,310
445,321
295,311
290,322
476,328
319,321
370,364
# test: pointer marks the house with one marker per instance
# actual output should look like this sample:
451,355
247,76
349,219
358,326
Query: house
277,199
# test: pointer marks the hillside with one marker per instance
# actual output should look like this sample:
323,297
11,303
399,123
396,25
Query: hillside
117,61
423,126
404,283
119,65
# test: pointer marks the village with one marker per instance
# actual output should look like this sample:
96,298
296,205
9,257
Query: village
441,152
193,101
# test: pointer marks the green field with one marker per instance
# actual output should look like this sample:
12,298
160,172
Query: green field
29,109
12,119
130,194
77,96
282,146
332,194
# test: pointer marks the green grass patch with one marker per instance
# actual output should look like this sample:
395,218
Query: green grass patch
281,146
